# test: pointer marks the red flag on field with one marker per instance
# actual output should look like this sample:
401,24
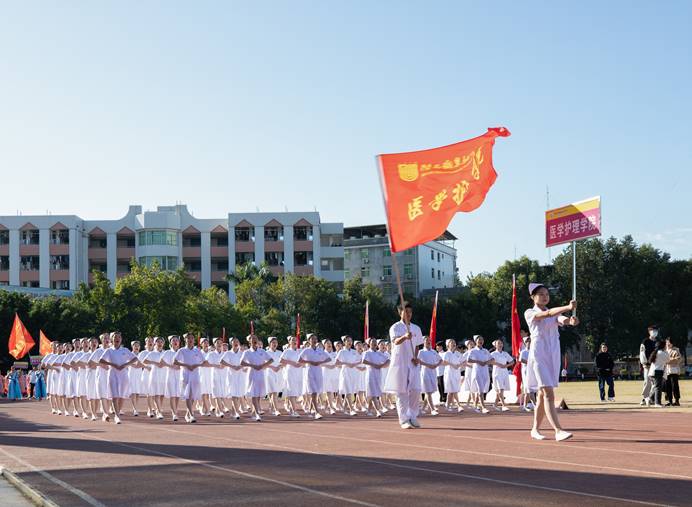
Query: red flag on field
366,324
516,324
298,331
433,323
20,341
424,189
44,344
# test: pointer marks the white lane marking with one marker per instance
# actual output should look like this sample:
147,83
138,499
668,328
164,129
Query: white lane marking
78,492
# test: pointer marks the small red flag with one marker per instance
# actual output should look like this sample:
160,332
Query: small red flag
423,190
20,341
298,331
44,344
433,323
516,324
366,324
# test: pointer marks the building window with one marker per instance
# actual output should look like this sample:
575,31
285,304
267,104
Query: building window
59,262
365,272
29,237
244,257
244,234
410,251
438,275
432,255
29,263
364,253
33,284
60,284
274,258
386,252
128,242
220,266
347,274
4,263
158,237
438,256
219,241
193,266
97,242
123,267
408,271
302,258
332,240
387,270
302,233
97,267
273,234
60,237
347,255
192,241
168,263
432,273
4,237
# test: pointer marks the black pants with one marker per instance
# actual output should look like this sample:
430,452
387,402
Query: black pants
31,390
673,388
441,387
602,381
658,386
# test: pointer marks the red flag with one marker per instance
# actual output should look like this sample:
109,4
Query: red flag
433,323
516,324
366,325
298,331
44,344
20,342
424,189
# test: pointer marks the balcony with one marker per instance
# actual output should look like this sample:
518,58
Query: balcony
194,252
303,270
56,275
125,253
218,276
28,249
219,251
303,245
98,253
59,249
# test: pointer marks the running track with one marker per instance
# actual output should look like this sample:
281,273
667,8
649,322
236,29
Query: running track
616,458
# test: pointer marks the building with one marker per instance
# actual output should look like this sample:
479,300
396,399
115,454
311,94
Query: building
60,252
428,266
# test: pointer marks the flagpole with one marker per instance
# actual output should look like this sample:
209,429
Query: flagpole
574,275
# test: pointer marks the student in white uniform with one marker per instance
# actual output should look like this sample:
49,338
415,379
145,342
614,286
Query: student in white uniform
117,359
480,358
403,378
374,360
525,401
80,362
440,349
256,359
347,359
45,364
274,376
313,358
361,401
330,374
219,378
468,368
90,378
55,366
191,360
173,375
101,394
68,381
204,403
452,360
235,378
134,376
543,366
501,362
386,397
157,377
145,378
293,376
429,360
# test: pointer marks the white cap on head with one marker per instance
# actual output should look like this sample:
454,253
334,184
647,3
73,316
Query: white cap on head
534,286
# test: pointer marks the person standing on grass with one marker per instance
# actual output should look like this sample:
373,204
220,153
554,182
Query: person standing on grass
658,360
645,350
673,374
543,367
604,368
403,378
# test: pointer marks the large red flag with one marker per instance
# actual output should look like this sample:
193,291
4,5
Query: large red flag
298,331
366,325
424,189
516,324
433,324
20,342
44,344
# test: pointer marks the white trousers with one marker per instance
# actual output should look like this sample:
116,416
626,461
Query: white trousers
407,405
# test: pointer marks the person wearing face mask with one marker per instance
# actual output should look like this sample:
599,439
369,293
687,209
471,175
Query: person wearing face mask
645,350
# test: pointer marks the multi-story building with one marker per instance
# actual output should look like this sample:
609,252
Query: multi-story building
428,266
60,252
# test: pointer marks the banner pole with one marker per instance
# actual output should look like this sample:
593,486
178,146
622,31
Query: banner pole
574,274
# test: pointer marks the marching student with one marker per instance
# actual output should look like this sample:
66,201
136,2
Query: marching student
50,373
361,402
157,377
452,361
386,397
526,397
347,359
81,363
374,360
145,378
118,358
219,378
134,376
274,376
479,357
204,407
256,360
313,358
429,360
173,375
543,366
68,386
55,385
191,360
404,375
92,368
293,376
330,375
468,369
235,378
501,360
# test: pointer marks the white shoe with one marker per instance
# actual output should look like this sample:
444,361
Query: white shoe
611,399
526,409
352,413
332,411
295,414
276,413
226,410
485,411
66,414
192,419
105,418
477,410
384,410
85,416
504,409
219,414
536,435
75,413
187,418
406,426
562,435
460,409
93,417
175,418
150,413
378,415
159,416
451,409
236,416
415,423
318,416
117,419
121,413
648,402
135,413
258,418
52,411
658,405
58,412
434,412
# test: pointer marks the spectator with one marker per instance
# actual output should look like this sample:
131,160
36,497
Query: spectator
673,374
658,361
604,368
32,382
645,350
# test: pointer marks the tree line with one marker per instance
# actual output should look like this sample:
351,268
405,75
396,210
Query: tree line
622,287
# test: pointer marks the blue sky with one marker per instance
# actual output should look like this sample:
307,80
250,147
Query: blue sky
231,106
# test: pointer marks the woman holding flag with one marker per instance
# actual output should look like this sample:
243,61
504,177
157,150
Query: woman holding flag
543,366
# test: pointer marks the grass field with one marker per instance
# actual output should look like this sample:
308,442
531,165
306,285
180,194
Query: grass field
584,395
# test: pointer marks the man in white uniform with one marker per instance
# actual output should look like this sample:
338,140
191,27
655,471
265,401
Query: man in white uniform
403,377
